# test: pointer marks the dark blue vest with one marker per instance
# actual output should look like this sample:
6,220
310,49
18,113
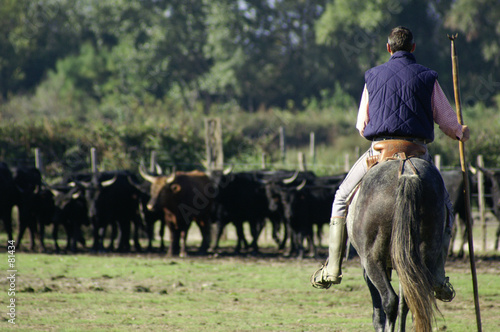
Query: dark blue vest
399,94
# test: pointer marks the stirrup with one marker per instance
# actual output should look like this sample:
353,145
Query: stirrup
321,280
445,292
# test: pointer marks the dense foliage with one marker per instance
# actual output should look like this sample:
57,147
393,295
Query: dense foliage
130,77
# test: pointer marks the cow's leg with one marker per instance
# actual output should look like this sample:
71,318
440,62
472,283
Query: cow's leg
150,228
113,237
294,239
137,228
319,232
124,241
33,233
183,238
311,246
454,231
300,244
463,240
276,223
55,235
78,236
310,241
497,237
69,236
242,241
97,230
174,240
287,235
7,220
162,234
256,228
41,224
205,228
218,233
22,229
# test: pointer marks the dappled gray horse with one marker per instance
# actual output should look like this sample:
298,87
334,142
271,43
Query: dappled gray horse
396,221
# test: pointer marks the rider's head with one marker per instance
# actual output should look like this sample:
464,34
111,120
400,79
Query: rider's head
400,39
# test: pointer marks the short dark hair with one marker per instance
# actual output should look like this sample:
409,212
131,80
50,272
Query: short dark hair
400,39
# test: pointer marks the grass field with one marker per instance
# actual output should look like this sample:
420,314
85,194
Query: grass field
226,293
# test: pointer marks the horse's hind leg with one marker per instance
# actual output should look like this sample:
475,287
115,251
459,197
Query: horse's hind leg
378,316
377,275
402,310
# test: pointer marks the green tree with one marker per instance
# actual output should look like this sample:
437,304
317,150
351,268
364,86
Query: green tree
478,48
264,52
33,35
356,33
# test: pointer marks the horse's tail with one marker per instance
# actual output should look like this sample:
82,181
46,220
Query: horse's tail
414,276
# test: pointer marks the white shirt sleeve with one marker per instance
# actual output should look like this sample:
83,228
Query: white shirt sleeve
363,116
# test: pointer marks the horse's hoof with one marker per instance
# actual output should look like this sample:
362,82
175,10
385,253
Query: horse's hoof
445,292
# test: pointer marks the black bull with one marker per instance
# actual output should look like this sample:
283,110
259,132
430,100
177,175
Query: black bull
112,199
9,195
454,182
241,197
183,197
492,196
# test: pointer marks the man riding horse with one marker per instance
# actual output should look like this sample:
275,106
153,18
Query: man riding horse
401,100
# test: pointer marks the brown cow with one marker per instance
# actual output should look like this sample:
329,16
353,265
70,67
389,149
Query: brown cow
183,197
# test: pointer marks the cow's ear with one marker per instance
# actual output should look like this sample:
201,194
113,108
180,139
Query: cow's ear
175,188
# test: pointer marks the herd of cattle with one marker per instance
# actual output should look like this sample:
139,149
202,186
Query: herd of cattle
84,203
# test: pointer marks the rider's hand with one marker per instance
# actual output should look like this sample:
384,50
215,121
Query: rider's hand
465,133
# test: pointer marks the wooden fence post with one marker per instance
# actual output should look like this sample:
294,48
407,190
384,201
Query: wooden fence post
152,162
282,144
302,162
312,147
38,160
93,159
213,143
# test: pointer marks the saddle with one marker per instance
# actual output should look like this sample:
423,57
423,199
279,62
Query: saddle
396,149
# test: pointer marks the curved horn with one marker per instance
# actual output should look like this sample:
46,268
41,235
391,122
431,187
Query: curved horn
133,184
158,168
145,175
301,185
107,183
76,194
228,170
83,184
55,192
291,179
171,177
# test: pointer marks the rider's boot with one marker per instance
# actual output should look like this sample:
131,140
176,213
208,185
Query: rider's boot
331,272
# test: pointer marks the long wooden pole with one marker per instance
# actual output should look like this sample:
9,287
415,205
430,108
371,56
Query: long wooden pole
468,224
